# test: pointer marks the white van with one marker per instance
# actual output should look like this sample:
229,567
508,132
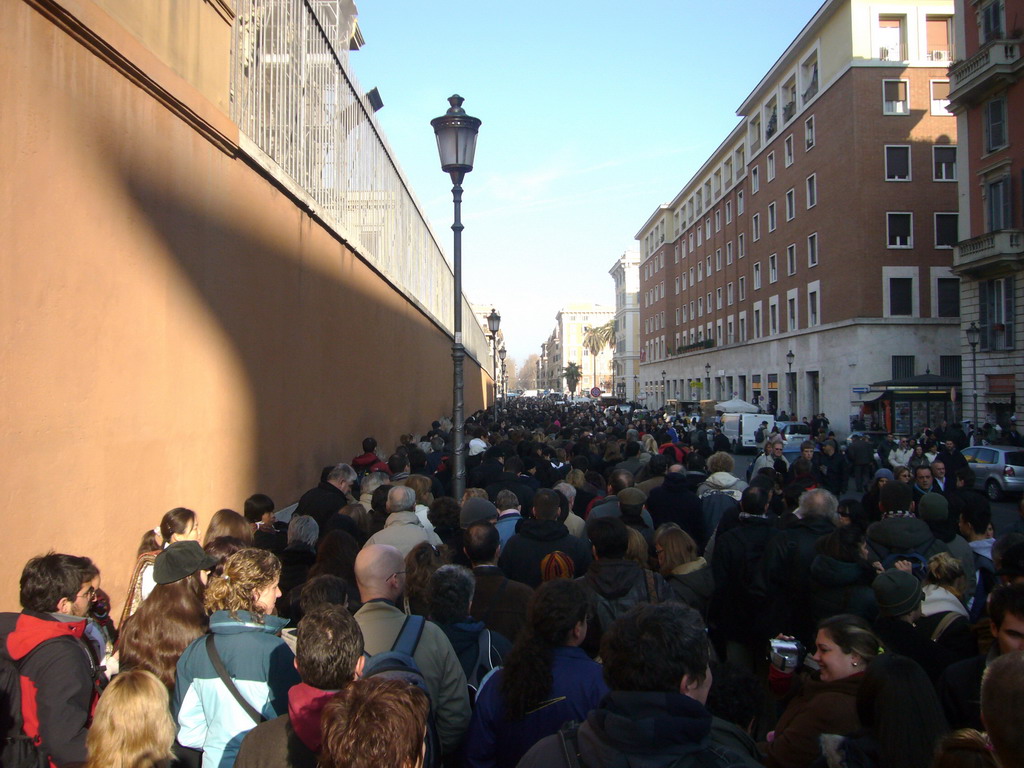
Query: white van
740,428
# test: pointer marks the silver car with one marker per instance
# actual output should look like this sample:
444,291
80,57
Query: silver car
997,469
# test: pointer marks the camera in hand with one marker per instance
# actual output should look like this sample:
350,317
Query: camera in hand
786,655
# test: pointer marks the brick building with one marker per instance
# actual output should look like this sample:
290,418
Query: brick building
823,225
988,102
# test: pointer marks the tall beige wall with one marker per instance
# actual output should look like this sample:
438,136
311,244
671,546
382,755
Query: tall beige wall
175,330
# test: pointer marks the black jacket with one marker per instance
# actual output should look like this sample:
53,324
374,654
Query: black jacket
674,502
613,587
321,502
959,690
522,554
841,587
786,571
738,607
635,728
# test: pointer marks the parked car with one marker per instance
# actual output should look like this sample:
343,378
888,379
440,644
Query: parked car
794,431
997,470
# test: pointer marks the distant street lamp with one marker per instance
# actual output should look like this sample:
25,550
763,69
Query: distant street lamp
790,357
493,324
973,337
664,402
504,391
456,145
707,373
636,383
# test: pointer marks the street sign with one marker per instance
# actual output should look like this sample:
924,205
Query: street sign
595,392
860,390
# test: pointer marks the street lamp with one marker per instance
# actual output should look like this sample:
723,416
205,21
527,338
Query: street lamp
493,323
790,357
504,389
664,402
973,337
707,374
636,383
456,145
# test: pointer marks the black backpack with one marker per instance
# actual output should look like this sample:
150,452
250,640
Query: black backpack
399,664
18,749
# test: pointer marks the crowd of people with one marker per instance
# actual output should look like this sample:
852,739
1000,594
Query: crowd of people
607,591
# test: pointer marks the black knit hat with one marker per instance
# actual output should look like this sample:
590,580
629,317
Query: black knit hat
897,592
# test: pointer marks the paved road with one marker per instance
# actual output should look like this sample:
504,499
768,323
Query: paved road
1004,513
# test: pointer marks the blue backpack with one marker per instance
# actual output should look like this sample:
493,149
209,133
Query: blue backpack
399,664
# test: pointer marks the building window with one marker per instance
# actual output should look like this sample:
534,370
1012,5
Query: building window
950,367
677,286
741,284
901,296
787,151
728,252
683,280
755,180
938,31
791,321
732,334
809,132
700,236
757,276
812,250
728,211
739,203
902,366
944,163
996,313
729,295
899,227
997,204
991,20
897,163
947,290
791,259
773,316
790,204
995,124
891,40
757,322
756,227
945,230
772,219
691,276
700,306
700,271
812,190
773,268
895,97
718,221
718,298
718,260
743,326
809,77
707,228
709,270
741,245
812,308
770,166
940,97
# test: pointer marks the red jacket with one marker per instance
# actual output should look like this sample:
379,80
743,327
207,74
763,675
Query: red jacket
58,683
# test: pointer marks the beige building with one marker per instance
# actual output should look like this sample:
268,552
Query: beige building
626,353
811,255
565,345
216,280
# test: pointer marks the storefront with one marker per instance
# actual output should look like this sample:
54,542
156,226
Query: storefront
908,406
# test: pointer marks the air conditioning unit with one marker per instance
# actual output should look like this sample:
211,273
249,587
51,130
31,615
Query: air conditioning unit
940,55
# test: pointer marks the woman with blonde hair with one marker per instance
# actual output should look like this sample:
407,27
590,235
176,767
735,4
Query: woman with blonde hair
132,726
680,564
216,707
944,615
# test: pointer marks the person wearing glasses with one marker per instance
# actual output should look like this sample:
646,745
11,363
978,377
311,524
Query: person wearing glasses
48,645
380,576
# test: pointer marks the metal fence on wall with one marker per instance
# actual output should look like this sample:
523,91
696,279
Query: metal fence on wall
295,98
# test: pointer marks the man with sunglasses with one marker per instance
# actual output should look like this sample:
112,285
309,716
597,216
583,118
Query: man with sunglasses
46,643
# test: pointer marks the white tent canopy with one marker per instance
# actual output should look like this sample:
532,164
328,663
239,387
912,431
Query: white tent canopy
736,406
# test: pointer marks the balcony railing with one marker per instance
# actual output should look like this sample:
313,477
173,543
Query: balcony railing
997,59
989,252
295,99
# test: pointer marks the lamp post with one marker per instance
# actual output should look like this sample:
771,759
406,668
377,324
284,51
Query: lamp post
504,389
707,373
636,383
790,357
664,402
456,145
493,324
973,337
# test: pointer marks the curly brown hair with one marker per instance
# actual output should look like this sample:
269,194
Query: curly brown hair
246,572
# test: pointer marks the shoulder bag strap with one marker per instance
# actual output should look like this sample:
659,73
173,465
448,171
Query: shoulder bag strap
652,593
943,625
568,735
409,637
218,664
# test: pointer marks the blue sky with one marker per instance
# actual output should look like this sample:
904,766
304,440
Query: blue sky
594,114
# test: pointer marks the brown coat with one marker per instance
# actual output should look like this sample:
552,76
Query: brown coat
818,708
502,609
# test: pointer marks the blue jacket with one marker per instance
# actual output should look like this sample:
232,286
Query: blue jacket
262,667
493,741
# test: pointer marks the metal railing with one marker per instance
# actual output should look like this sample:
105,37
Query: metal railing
294,97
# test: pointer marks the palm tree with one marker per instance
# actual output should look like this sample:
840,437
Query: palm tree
572,375
596,338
